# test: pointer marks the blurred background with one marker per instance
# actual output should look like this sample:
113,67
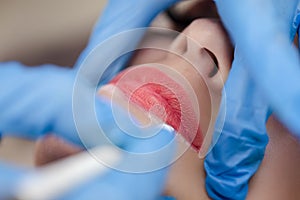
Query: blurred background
42,31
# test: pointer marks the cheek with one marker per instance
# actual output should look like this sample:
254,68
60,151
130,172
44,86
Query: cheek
204,98
205,105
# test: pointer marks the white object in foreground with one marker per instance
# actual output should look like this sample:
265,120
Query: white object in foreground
55,179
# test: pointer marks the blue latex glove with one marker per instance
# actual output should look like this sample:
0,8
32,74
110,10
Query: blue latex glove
264,56
39,100
10,175
243,138
35,101
114,185
265,42
119,17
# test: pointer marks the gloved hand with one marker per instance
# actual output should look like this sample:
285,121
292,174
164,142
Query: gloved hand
119,17
264,56
35,101
39,100
241,145
114,184
265,42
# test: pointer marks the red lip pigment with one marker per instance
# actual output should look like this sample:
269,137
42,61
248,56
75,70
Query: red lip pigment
148,87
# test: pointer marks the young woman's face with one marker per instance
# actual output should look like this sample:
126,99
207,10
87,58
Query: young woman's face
193,70
186,80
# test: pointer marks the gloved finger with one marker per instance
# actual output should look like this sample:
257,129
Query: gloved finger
37,101
241,88
118,17
238,18
32,98
267,49
10,175
125,185
240,148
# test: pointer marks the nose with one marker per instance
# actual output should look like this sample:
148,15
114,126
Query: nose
205,44
203,60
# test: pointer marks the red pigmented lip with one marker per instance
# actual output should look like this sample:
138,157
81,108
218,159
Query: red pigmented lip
155,91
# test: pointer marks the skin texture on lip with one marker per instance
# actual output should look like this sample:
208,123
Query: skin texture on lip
159,94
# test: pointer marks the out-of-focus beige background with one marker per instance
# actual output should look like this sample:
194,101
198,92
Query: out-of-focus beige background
42,31
52,31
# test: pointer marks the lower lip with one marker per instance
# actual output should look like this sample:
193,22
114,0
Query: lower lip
146,87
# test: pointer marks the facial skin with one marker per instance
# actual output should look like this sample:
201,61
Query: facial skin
197,40
191,61
187,177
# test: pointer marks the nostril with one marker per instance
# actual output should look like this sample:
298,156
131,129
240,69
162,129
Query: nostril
212,55
213,72
215,69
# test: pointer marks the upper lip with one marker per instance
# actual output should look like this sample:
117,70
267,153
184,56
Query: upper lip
186,118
